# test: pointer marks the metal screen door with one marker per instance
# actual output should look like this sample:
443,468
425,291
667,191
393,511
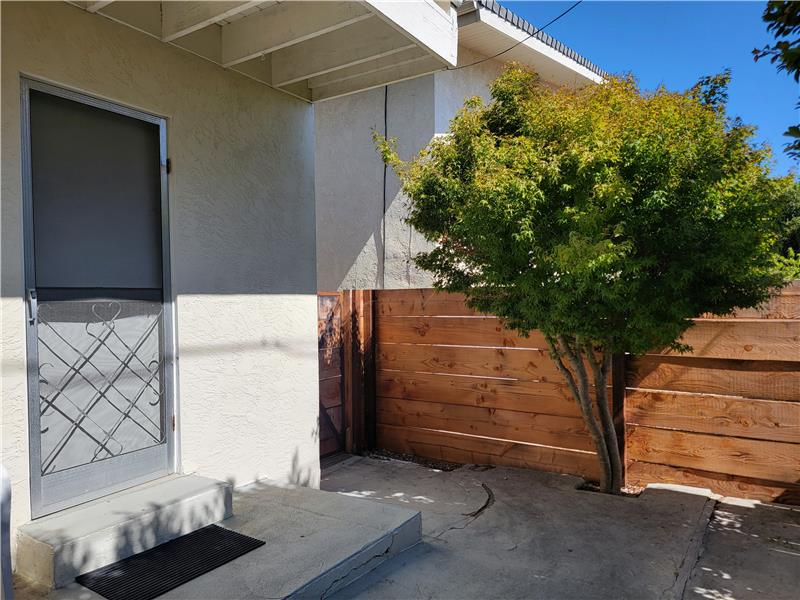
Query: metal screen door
99,323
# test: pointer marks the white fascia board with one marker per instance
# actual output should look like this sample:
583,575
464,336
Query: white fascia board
424,22
534,45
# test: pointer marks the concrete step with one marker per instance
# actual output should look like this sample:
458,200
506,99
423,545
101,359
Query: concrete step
53,550
317,543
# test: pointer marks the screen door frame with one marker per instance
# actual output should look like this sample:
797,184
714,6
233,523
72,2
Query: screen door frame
136,466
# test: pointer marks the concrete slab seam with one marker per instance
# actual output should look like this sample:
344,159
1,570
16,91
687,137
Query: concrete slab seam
694,551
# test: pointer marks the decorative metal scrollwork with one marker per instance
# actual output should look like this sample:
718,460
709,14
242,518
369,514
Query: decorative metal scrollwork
100,380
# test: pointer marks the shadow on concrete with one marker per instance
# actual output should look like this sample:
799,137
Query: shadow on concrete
751,551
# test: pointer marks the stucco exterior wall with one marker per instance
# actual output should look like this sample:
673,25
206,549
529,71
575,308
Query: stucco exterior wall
242,243
356,247
453,87
351,253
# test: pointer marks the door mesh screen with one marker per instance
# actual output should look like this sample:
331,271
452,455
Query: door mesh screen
100,379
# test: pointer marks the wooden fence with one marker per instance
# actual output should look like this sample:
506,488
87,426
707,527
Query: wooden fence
454,385
726,416
457,386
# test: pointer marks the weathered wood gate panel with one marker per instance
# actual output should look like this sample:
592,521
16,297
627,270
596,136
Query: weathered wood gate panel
346,371
726,416
455,385
331,381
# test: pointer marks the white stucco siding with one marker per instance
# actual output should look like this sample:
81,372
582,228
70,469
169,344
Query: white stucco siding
349,180
453,87
242,236
349,175
350,187
410,119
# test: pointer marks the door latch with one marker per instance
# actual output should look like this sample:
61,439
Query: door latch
31,306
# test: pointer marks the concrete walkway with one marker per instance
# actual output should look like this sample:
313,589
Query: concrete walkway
749,552
510,533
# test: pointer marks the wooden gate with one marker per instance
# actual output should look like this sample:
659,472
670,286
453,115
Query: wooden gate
331,380
346,371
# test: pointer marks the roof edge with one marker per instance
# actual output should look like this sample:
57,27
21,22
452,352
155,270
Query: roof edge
534,32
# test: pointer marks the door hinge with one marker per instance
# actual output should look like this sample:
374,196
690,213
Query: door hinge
169,166
173,422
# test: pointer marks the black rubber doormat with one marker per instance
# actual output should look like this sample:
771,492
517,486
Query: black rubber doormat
156,571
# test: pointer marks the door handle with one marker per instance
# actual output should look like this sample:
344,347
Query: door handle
31,306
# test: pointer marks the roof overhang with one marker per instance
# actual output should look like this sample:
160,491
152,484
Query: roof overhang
311,49
489,29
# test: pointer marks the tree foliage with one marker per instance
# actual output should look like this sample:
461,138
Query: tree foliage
604,217
783,21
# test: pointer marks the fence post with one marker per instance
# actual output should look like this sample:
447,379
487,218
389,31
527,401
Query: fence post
369,349
349,399
358,369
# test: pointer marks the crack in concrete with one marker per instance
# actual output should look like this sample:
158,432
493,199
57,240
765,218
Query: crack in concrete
328,589
489,501
472,515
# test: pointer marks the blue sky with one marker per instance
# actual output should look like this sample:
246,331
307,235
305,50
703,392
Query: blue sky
675,43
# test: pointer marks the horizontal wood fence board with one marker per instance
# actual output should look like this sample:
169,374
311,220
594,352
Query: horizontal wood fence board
775,461
771,380
761,339
639,474
460,448
330,362
551,430
509,363
785,305
419,303
720,415
453,331
545,398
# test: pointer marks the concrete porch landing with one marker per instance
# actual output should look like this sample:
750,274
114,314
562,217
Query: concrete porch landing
316,544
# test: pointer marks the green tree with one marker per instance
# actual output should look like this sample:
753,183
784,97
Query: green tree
603,217
783,21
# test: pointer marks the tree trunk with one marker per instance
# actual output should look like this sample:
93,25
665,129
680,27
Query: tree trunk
601,369
578,383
